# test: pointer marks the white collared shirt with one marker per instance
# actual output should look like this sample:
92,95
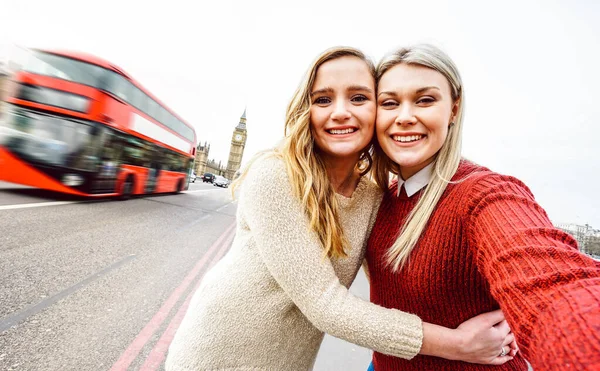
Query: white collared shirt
416,182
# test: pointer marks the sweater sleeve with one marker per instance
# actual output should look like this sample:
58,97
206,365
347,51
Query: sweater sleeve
295,258
548,290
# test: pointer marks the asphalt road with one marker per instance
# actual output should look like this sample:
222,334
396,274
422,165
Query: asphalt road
102,285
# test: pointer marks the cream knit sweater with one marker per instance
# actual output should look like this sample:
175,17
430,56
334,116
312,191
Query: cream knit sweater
266,304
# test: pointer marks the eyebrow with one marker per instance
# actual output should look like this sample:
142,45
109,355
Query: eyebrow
426,88
418,91
321,91
350,88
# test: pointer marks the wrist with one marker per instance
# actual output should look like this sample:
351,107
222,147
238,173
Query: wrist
442,342
458,345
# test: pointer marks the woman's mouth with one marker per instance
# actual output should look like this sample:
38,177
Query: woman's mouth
341,131
407,138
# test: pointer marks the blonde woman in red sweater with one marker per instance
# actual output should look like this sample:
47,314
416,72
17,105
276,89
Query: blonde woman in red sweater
453,239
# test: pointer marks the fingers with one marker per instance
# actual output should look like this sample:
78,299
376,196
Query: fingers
493,317
503,328
514,348
510,338
500,360
510,347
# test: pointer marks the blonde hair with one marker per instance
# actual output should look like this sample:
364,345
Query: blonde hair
446,160
305,167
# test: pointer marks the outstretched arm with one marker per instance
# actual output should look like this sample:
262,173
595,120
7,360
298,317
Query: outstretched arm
548,290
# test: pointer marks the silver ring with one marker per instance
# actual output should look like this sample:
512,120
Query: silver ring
503,352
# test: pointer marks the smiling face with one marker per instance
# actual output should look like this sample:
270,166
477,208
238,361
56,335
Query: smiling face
414,109
342,112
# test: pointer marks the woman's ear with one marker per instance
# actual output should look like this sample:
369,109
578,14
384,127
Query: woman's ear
455,107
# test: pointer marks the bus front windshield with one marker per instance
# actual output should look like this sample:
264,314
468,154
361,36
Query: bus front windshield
64,68
50,140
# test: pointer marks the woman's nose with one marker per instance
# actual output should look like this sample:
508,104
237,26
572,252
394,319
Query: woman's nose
340,112
406,116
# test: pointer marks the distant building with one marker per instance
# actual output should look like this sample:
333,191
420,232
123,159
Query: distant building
201,158
238,142
587,237
204,165
215,167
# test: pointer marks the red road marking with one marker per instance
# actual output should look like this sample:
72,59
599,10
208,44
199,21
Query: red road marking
142,338
159,352
219,255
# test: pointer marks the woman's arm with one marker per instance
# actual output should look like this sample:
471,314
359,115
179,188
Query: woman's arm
548,290
477,340
294,257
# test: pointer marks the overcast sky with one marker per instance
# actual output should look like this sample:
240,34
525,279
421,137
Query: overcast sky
530,70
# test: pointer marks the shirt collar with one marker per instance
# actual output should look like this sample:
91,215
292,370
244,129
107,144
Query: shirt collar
416,182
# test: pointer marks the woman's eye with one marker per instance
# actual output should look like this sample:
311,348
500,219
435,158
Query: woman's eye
426,100
388,103
322,100
359,98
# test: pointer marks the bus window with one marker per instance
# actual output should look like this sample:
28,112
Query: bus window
120,86
64,68
163,117
111,153
138,99
156,159
83,146
134,152
153,109
110,160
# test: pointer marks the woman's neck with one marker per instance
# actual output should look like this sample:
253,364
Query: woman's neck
343,175
406,173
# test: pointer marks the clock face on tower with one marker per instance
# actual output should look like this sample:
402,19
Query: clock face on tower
238,137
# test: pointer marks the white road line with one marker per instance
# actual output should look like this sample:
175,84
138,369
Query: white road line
58,203
39,204
222,207
200,190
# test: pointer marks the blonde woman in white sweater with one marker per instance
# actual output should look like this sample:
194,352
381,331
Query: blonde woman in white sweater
304,214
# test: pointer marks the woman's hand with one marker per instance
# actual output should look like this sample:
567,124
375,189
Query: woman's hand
482,339
486,339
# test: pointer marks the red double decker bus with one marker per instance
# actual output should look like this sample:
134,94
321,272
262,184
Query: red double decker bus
77,124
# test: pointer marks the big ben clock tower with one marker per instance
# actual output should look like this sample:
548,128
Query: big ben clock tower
238,142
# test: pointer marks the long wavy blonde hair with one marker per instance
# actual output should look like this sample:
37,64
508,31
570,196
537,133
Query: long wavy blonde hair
446,161
305,167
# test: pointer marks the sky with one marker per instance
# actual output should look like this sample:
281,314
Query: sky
529,68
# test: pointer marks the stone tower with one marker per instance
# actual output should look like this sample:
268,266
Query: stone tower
238,142
201,158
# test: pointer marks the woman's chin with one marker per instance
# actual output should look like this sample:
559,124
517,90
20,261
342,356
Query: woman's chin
343,153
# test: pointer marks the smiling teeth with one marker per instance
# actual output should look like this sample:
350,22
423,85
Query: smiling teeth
404,138
344,131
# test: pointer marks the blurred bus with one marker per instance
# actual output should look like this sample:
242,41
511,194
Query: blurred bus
77,124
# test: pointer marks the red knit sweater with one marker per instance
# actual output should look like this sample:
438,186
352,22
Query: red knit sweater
488,244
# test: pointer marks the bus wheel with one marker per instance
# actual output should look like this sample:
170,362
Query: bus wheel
179,187
127,189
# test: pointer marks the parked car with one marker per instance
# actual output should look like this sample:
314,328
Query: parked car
193,177
221,182
208,177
